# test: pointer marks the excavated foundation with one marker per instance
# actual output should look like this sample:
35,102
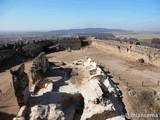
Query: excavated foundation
75,91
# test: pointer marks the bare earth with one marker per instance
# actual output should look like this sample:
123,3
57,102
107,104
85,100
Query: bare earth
137,99
141,36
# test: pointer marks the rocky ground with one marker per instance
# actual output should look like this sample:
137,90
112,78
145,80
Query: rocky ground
127,74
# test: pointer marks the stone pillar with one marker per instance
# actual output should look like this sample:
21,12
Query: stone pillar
20,83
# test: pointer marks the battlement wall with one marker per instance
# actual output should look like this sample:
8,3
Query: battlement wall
5,54
131,51
74,44
33,48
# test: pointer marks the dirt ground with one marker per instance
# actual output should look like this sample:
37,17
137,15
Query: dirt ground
126,73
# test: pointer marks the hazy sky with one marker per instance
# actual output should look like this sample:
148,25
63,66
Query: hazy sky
44,15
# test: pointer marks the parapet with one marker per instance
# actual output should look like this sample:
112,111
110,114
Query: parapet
149,54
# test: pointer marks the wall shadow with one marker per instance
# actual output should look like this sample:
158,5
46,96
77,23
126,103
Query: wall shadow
5,116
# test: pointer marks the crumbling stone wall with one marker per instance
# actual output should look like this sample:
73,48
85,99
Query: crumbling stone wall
20,83
133,51
35,48
39,67
5,54
155,40
74,44
30,49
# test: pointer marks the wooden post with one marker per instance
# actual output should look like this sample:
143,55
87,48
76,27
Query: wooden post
142,83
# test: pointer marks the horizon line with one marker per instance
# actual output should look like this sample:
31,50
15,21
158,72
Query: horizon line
77,29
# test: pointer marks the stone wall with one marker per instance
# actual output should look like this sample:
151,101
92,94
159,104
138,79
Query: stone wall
39,67
29,49
74,44
33,48
156,40
20,83
5,54
132,51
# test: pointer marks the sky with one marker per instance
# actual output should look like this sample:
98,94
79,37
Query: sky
46,15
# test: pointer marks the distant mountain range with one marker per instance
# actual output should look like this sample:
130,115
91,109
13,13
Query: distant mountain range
86,30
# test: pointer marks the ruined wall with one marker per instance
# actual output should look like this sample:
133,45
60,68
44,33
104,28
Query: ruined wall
33,48
20,83
30,49
74,44
5,54
132,51
39,67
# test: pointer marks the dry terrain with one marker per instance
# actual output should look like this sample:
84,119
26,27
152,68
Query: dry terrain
137,98
142,36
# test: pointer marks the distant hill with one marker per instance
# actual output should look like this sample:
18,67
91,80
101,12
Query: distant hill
86,30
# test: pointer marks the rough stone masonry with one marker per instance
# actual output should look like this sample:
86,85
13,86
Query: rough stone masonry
39,67
20,83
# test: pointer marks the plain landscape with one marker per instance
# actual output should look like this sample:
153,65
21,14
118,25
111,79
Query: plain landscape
138,82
